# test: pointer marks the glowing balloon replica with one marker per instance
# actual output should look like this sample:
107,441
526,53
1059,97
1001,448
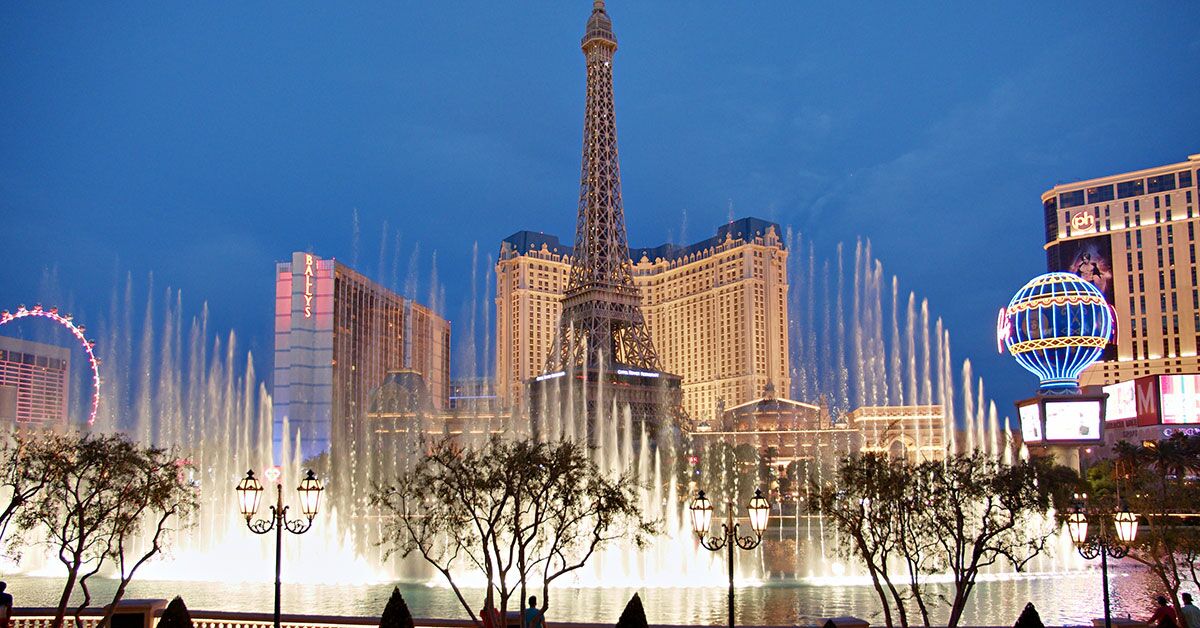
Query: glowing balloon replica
1056,326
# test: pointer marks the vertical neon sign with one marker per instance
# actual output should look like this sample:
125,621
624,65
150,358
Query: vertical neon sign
308,285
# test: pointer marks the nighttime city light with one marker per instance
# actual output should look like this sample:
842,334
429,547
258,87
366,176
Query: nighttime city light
322,316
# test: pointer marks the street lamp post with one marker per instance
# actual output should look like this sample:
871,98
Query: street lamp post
249,492
702,512
1101,545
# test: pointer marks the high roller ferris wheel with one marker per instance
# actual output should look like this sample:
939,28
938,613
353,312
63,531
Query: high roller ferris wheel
64,320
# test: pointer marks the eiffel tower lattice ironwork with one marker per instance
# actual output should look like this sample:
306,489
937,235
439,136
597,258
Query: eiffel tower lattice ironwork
602,322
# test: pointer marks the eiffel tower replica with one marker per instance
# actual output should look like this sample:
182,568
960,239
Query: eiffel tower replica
603,348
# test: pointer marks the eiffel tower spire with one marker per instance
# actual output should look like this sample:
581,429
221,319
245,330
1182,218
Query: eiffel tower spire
602,323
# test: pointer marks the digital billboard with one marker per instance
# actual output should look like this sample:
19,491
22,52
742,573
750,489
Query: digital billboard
1031,422
1179,398
1091,259
1073,421
1121,401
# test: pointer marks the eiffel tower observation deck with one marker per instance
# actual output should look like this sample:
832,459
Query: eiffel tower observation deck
603,357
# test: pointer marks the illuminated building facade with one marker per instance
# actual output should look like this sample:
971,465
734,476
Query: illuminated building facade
915,433
1133,236
785,430
716,310
337,335
34,382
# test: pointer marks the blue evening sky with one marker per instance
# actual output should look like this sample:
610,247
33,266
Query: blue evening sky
203,141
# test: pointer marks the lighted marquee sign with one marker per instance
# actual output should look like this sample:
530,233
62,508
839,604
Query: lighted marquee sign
1064,421
1073,420
308,284
1179,399
1031,422
1122,401
52,314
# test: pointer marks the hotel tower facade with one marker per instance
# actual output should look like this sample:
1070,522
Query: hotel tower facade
337,335
1134,236
717,311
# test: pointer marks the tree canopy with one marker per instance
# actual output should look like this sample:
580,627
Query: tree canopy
513,511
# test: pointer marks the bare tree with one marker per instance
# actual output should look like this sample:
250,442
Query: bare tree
507,510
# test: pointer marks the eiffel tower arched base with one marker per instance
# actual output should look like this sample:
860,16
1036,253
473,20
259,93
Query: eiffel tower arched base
654,400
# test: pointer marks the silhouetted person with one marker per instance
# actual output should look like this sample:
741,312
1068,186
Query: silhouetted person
1029,618
1191,614
1164,616
533,615
6,604
489,615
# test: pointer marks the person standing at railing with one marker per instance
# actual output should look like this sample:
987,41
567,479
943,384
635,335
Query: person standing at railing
533,615
1164,616
1190,613
6,605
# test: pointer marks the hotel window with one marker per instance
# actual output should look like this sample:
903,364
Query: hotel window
1185,179
1161,183
1125,189
1071,199
1100,194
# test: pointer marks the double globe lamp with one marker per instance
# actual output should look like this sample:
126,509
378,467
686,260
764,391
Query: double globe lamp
702,513
249,492
1101,545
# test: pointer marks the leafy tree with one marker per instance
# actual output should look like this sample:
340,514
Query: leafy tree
395,614
101,491
1154,481
906,521
863,507
21,481
508,510
981,512
634,616
176,615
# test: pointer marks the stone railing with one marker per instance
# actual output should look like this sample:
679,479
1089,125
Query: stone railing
44,617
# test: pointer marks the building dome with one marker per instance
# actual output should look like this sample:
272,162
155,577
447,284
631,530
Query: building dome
1056,326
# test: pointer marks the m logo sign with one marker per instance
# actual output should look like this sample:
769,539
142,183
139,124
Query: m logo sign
1146,395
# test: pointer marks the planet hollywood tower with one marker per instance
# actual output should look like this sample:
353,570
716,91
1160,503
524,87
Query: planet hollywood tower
603,357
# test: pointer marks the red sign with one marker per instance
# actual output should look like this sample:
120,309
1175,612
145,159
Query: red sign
1146,397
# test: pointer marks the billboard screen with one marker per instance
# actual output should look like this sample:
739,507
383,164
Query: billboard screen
1073,421
1121,402
1031,423
1179,398
1091,259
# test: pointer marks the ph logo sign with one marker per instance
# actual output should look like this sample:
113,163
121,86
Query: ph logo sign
1083,220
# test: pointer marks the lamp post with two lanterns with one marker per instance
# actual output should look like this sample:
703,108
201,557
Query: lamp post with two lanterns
249,492
702,511
1101,545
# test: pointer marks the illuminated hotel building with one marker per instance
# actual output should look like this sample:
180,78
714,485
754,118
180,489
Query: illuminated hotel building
717,312
337,335
34,382
1134,236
